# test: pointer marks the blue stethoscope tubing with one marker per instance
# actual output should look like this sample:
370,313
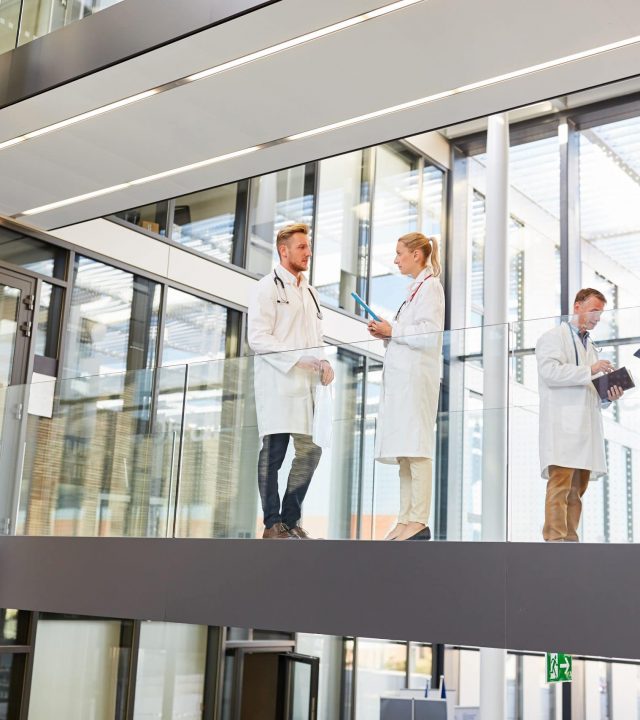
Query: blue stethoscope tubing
281,294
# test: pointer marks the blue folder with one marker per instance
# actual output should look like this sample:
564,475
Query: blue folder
364,306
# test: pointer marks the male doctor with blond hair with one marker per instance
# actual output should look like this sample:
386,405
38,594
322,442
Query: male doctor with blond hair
285,332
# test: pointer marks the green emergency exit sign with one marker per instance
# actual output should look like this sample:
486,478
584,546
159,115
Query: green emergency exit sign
558,667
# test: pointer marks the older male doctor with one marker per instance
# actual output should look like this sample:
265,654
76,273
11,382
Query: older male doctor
571,431
285,332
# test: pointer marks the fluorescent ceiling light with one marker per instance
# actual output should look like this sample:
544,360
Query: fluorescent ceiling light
209,72
341,124
138,181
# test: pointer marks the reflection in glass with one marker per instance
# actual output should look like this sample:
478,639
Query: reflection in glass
9,21
12,668
382,667
395,213
339,260
151,217
301,691
609,197
218,495
98,467
277,200
75,669
211,221
9,307
32,254
329,649
40,18
420,659
171,667
194,329
49,320
113,320
331,506
8,626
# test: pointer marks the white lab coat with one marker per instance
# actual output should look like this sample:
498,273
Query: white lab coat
571,432
283,392
411,376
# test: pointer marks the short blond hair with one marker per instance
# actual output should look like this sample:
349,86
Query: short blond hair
429,246
285,233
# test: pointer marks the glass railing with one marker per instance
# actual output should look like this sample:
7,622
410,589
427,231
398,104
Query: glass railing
24,20
173,452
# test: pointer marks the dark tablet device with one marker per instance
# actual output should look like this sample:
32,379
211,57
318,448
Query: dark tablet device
620,377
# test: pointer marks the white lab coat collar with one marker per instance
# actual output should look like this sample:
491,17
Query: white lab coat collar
289,278
428,270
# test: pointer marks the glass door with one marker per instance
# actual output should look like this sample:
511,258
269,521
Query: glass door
17,300
299,686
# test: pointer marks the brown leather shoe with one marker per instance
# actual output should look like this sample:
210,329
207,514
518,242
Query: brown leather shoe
278,531
300,533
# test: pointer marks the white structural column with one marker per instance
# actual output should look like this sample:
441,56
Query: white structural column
495,386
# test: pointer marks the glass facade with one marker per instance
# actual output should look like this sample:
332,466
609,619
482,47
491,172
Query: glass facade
192,421
41,18
113,320
170,672
76,669
277,200
212,222
120,668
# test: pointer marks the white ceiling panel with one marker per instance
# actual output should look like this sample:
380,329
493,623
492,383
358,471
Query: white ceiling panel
412,53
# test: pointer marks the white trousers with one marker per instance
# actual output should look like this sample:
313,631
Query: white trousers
415,489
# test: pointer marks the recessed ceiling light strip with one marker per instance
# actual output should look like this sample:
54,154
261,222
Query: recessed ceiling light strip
338,125
209,72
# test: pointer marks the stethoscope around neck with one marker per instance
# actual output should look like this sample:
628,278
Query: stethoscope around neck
281,294
413,294
575,345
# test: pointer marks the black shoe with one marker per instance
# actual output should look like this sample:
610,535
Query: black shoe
424,534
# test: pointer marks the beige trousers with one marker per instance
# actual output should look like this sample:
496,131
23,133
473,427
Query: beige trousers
415,490
563,504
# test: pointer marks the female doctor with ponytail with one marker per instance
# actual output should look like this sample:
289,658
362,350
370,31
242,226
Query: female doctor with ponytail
405,433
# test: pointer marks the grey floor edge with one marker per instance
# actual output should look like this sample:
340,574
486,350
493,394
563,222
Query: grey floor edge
521,596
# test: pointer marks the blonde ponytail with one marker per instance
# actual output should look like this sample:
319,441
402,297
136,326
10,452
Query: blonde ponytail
429,246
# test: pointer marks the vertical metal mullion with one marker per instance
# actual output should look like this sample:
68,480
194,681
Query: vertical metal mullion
180,451
132,675
437,663
66,311
354,679
366,234
570,251
566,701
156,368
20,21
28,670
213,673
170,215
242,254
361,449
314,184
241,224
421,163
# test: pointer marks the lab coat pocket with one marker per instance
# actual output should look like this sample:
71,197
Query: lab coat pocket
323,416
